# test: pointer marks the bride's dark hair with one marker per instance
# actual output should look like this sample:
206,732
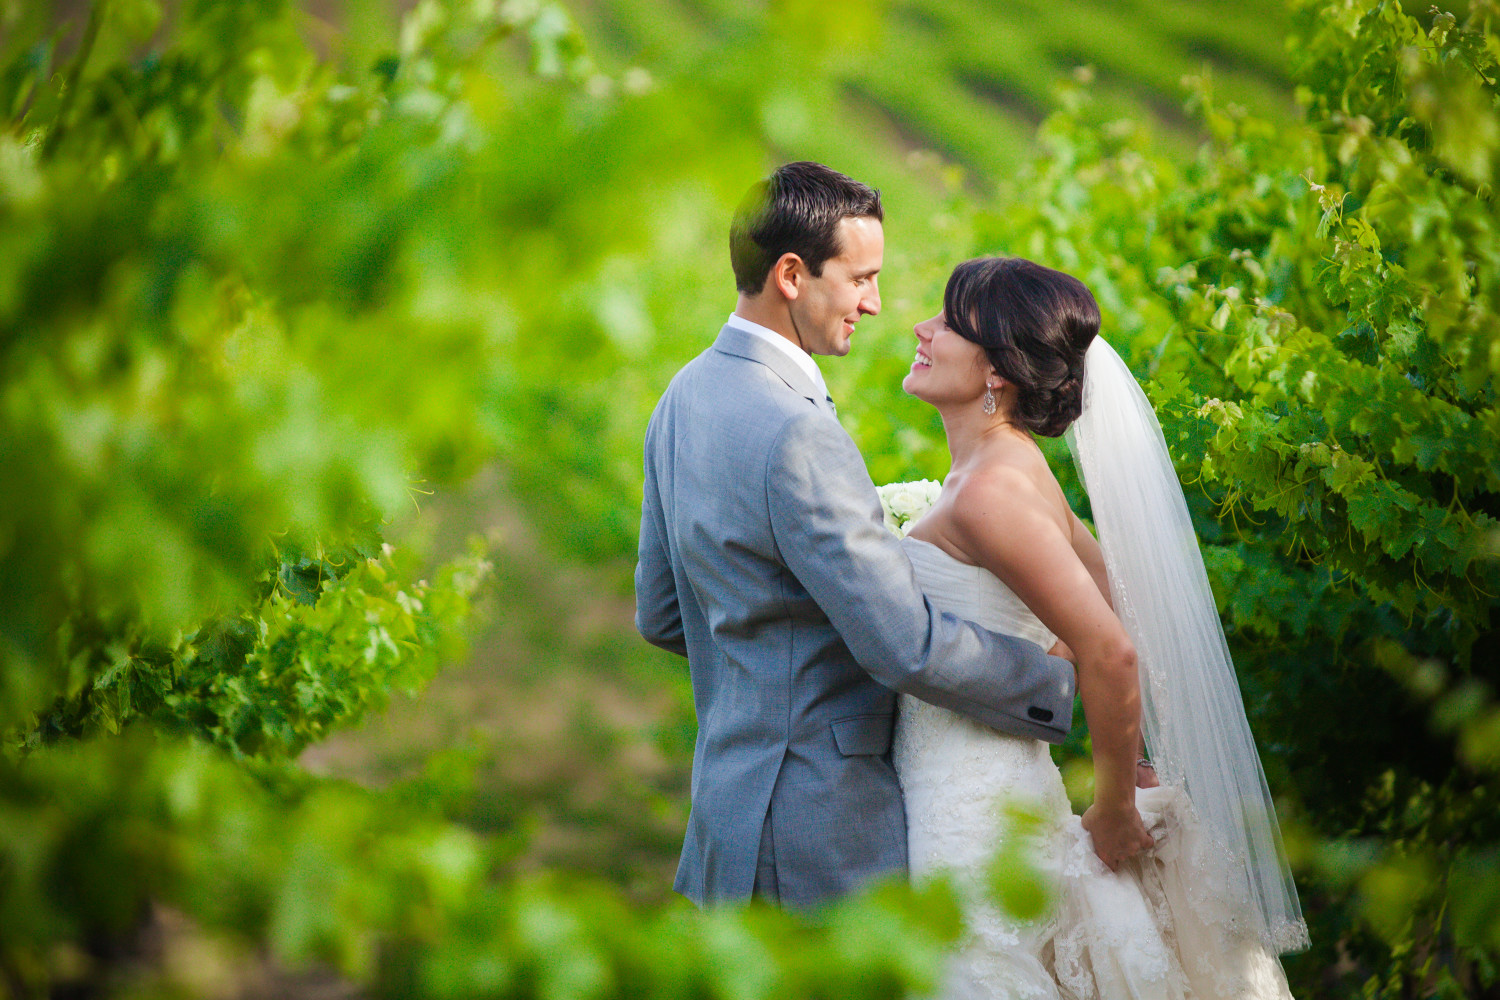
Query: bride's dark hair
1034,324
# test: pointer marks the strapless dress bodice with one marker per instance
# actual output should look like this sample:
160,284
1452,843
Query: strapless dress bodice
943,758
973,593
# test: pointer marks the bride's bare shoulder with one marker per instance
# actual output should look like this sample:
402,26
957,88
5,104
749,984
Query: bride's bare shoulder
1012,491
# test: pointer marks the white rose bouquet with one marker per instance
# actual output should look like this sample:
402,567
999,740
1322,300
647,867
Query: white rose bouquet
905,503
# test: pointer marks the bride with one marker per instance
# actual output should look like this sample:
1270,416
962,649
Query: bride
1173,889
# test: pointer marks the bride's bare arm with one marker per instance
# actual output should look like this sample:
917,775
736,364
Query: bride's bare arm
1004,522
1086,548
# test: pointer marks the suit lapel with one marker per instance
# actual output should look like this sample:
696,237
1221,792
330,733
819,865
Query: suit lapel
739,344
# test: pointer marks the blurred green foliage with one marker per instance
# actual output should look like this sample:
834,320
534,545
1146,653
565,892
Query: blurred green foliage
969,79
332,637
381,889
263,276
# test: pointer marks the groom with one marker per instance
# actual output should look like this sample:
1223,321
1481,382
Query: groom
764,561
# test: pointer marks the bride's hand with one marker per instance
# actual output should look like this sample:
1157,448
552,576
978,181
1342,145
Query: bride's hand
1118,834
1060,648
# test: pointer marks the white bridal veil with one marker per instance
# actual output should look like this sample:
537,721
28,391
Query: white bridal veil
1193,716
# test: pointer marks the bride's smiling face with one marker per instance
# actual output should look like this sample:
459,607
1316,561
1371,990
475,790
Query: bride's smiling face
948,368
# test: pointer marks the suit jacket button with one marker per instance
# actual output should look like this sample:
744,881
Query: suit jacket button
1040,714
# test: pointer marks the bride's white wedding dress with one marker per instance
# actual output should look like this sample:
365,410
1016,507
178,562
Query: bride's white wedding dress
1167,925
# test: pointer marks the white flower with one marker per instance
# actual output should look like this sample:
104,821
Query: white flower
891,524
905,503
905,499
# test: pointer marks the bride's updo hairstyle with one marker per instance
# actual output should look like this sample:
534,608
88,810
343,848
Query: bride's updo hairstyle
1034,324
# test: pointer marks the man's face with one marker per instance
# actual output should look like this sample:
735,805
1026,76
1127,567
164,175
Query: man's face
827,307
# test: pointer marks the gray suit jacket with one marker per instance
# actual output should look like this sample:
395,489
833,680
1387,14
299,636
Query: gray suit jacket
764,560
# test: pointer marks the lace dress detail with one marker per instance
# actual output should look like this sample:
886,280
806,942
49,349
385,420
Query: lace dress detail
1164,926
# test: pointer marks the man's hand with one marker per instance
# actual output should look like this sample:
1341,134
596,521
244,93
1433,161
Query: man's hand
1118,834
1060,648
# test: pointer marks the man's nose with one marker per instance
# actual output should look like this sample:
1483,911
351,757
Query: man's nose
871,303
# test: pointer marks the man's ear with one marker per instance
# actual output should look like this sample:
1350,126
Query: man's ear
787,275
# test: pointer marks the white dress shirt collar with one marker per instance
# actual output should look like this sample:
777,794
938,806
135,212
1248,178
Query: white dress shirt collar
797,354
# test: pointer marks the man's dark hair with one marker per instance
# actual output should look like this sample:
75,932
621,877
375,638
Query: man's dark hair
795,210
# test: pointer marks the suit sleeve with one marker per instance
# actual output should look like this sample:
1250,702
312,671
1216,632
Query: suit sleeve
828,526
658,615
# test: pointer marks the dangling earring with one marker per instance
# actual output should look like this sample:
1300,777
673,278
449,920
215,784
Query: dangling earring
988,403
